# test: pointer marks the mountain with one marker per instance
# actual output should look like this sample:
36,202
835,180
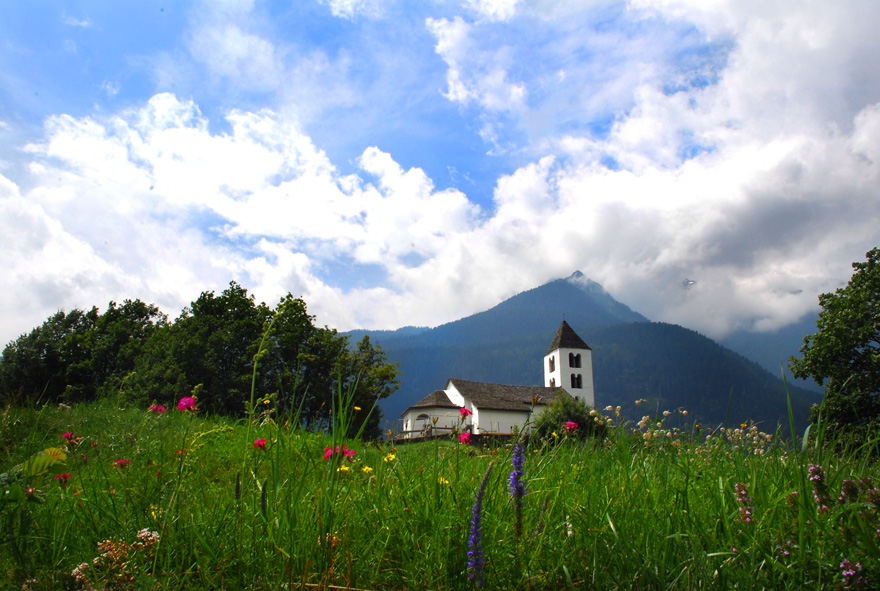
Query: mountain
633,358
771,350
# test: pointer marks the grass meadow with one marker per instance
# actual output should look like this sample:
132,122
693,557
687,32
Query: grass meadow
102,497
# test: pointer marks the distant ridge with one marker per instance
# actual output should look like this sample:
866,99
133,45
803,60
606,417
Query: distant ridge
633,358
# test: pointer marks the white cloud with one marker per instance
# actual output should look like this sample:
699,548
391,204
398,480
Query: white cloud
494,10
735,145
349,9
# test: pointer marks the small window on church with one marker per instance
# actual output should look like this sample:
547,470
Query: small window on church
552,382
552,364
576,381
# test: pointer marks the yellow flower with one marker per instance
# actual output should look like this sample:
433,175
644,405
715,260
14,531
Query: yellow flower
555,435
155,511
267,401
366,469
390,457
357,408
342,469
443,480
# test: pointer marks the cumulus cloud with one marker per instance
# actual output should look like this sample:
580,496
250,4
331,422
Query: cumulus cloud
649,142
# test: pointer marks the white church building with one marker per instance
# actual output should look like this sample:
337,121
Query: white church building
499,408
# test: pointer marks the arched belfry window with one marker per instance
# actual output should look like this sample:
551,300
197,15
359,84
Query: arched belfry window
574,359
577,381
552,382
552,364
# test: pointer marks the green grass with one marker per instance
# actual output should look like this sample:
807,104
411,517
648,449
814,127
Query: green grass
654,509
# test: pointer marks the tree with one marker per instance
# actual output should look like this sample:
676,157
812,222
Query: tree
212,343
844,354
76,356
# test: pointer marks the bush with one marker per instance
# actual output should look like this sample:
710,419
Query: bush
565,409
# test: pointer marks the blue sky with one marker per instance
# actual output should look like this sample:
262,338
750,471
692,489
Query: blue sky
410,163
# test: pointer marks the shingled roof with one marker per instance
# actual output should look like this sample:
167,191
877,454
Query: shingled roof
502,396
436,399
566,338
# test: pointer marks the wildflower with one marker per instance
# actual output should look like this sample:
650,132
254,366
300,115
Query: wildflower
609,408
555,436
187,404
62,479
357,408
67,436
148,537
389,458
517,486
122,463
684,412
743,498
820,486
180,452
464,437
329,451
156,409
155,511
267,401
442,481
476,560
640,401
260,444
850,571
366,469
570,427
342,468
465,412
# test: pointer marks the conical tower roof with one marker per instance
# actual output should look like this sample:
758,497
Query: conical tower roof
566,338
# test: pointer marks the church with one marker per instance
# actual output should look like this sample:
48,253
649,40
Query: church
499,408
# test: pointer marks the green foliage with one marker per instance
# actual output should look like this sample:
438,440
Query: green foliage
133,353
77,356
200,507
844,355
566,409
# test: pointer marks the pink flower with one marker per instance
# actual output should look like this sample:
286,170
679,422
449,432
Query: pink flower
260,444
329,451
187,403
570,427
62,479
465,412
464,437
122,463
157,409
68,435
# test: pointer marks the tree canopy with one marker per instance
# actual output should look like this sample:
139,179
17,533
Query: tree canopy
844,354
132,351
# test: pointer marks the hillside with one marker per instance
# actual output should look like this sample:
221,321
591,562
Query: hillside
633,358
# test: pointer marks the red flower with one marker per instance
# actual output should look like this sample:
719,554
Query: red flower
570,426
122,463
464,437
68,435
260,444
157,409
329,451
62,479
465,412
187,403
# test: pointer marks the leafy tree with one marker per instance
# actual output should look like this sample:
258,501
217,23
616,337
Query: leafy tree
844,354
564,408
212,343
75,356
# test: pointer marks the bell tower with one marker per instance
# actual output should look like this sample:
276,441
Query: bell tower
568,363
